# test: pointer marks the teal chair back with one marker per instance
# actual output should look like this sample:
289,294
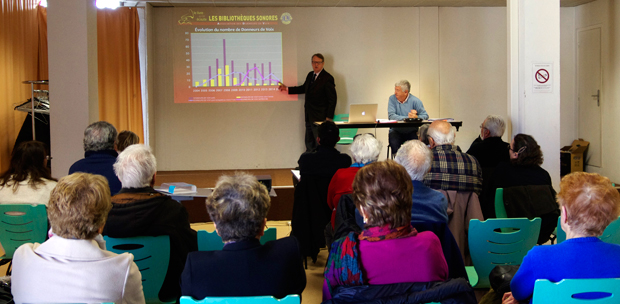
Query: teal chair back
566,291
271,234
346,135
209,241
499,242
500,209
610,235
151,254
20,224
290,299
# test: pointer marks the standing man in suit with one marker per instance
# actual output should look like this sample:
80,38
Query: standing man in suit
321,98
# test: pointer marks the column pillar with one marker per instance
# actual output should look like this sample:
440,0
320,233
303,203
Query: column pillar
72,53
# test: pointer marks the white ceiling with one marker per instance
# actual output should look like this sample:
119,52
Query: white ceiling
334,3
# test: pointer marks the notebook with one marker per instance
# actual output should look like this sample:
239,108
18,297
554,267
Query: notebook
363,113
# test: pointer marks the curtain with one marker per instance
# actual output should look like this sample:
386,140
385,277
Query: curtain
19,61
120,100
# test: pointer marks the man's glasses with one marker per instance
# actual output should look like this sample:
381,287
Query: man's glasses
317,62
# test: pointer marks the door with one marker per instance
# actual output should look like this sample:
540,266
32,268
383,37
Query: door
589,81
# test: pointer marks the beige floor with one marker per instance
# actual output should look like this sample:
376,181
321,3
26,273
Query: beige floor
314,274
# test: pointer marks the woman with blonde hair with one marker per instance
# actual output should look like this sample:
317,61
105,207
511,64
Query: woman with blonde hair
73,266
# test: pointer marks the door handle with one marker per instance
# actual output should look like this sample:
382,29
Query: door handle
598,98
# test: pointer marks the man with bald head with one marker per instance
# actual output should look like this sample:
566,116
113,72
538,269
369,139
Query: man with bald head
451,169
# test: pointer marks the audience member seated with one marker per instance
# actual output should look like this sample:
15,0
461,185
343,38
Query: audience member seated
126,139
489,148
28,180
428,205
423,134
524,170
388,250
311,212
73,265
451,169
365,149
138,210
588,203
99,153
238,207
325,160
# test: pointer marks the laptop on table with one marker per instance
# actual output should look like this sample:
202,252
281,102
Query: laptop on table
363,113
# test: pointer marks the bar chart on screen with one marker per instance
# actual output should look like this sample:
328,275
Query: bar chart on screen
236,59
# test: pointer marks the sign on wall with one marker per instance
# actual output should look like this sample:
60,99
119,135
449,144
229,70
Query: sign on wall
543,79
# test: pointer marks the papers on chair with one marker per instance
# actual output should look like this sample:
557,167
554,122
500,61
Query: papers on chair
446,119
177,188
387,121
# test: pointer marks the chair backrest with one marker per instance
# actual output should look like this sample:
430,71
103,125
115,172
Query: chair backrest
290,299
500,209
346,135
610,235
490,245
271,234
151,254
209,241
20,224
566,291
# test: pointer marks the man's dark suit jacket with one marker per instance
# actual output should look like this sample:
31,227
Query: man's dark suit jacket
489,152
245,268
320,96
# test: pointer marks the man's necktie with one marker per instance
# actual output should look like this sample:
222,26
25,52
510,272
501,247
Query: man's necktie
313,79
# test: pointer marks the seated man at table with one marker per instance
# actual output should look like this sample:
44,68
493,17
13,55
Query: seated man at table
451,169
428,205
238,207
403,105
138,210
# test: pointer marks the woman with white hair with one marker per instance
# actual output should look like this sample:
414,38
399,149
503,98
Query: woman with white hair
139,210
365,149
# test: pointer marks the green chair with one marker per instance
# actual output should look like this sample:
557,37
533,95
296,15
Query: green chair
20,224
346,135
567,291
610,235
290,299
271,234
490,246
209,241
151,254
500,209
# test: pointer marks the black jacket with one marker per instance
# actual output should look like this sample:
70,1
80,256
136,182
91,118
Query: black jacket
145,212
455,291
321,96
245,268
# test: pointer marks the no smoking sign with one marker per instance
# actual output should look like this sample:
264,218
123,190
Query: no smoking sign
543,82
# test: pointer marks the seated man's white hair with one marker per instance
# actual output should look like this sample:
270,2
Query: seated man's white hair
496,125
365,149
416,157
135,166
440,138
404,85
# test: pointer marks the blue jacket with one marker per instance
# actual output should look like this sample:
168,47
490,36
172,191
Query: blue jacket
99,162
